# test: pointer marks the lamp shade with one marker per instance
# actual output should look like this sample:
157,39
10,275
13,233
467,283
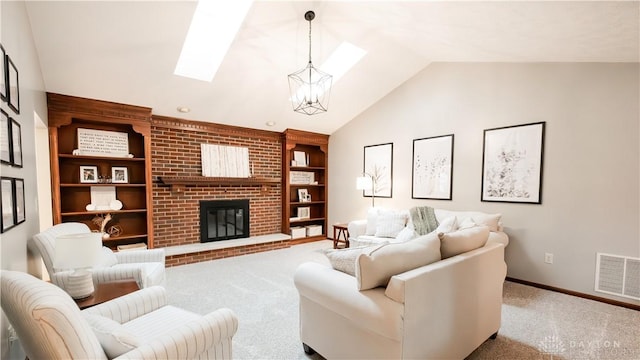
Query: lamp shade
364,183
77,251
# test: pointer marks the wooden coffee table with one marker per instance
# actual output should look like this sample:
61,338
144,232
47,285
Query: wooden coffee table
108,291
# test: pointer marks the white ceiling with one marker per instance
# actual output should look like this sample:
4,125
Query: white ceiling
127,51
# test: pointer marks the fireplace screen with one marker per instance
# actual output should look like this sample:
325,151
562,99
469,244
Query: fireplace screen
224,220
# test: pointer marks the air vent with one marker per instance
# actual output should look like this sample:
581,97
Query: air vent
618,275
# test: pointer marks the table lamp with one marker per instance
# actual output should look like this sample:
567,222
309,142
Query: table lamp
78,252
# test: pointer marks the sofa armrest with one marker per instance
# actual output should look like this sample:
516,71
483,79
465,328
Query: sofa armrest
498,237
131,306
208,337
338,291
140,256
357,228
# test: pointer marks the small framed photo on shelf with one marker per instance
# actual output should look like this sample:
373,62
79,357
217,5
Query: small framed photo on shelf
303,195
88,174
119,175
14,87
304,212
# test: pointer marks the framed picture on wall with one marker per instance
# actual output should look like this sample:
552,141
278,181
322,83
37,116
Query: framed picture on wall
7,201
16,144
3,74
13,90
432,175
512,164
378,165
5,140
19,196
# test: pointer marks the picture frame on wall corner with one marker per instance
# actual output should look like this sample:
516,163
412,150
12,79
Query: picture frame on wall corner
5,138
16,143
512,160
19,201
432,175
3,75
378,164
13,85
7,201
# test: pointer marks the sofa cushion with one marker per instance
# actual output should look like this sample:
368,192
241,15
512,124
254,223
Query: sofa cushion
490,220
107,258
375,267
461,241
406,234
114,338
447,225
389,223
345,259
372,220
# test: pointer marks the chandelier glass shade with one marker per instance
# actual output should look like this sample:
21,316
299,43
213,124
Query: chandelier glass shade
310,88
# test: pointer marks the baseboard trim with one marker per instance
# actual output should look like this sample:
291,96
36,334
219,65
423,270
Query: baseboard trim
575,293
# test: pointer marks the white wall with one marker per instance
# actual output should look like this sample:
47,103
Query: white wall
590,193
17,40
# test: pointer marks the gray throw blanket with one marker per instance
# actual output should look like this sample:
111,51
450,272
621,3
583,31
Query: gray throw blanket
424,219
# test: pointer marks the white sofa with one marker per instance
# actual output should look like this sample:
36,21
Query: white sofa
442,310
388,225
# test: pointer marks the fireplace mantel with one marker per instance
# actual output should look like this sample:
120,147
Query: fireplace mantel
178,183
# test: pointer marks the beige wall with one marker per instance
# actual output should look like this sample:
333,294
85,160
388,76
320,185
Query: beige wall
591,186
17,40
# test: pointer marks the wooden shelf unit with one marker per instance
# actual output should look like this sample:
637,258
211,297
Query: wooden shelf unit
316,146
70,197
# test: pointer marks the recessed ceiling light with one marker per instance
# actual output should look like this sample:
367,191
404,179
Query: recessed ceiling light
213,27
183,109
270,123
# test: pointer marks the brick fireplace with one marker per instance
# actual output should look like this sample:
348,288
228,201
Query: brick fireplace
175,149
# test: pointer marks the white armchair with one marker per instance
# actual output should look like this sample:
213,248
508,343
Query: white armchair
146,267
140,325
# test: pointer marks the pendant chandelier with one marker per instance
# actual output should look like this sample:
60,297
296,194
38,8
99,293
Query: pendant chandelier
310,87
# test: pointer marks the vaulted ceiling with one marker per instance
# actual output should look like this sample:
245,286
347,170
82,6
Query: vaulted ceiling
126,51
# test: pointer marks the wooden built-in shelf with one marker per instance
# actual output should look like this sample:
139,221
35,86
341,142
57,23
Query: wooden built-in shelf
101,184
93,157
178,183
100,212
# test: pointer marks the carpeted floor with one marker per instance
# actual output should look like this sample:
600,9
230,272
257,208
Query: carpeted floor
536,324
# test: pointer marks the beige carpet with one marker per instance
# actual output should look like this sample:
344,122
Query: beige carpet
536,324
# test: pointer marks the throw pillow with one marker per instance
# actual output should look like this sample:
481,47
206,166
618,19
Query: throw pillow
448,225
107,258
406,234
345,259
390,223
466,223
372,217
464,240
114,338
490,220
375,267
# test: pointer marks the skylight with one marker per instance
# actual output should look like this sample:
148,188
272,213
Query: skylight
212,30
342,60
